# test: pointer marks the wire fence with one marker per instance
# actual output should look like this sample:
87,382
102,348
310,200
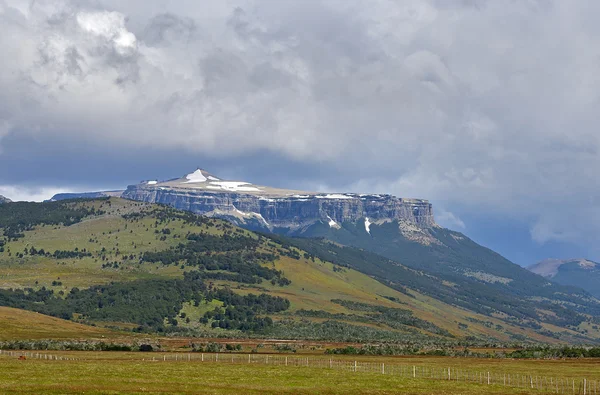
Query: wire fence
36,355
545,384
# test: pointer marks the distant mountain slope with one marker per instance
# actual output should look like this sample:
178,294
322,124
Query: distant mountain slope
84,195
581,273
4,199
476,277
117,261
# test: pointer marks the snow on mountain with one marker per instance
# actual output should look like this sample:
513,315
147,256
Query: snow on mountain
196,176
234,186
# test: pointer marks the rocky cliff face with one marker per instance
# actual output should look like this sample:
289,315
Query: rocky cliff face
272,208
4,199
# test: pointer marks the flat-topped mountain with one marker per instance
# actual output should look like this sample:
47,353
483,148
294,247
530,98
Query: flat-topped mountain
4,199
279,210
577,272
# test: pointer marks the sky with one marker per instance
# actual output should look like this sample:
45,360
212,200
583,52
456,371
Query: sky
488,108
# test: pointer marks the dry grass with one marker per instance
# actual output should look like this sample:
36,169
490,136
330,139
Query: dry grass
115,373
18,324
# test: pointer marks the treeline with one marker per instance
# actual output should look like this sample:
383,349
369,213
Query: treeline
232,253
552,352
147,303
18,217
538,352
58,254
246,313
61,345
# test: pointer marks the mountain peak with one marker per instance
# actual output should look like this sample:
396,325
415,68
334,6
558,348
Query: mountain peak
4,199
200,175
550,267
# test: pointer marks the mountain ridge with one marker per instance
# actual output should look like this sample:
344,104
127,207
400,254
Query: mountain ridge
578,272
275,208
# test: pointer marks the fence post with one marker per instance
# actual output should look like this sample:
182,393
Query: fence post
354,366
414,371
202,357
448,373
488,378
382,368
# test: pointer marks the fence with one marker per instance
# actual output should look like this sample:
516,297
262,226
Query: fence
555,385
540,383
36,355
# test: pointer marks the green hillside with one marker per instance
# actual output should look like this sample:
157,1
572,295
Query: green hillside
150,268
476,278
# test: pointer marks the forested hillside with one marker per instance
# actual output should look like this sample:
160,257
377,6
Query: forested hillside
150,268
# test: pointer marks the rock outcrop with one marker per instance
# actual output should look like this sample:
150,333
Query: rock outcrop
277,209
4,199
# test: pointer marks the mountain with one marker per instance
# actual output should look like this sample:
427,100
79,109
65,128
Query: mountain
4,199
274,209
145,267
84,195
400,244
582,273
120,263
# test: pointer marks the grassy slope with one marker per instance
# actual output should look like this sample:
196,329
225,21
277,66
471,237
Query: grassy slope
448,263
313,286
18,324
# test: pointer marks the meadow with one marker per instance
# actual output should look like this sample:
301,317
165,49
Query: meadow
183,373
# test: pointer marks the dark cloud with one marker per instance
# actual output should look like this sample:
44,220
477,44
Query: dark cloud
490,105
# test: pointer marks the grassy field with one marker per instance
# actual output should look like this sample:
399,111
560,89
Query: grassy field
113,373
18,324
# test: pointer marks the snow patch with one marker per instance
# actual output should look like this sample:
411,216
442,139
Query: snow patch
152,182
252,214
367,225
334,196
233,186
332,223
214,178
196,176
261,217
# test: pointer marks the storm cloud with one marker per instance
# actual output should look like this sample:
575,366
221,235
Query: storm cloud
480,106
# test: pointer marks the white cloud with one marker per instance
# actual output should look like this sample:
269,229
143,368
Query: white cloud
448,219
18,193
